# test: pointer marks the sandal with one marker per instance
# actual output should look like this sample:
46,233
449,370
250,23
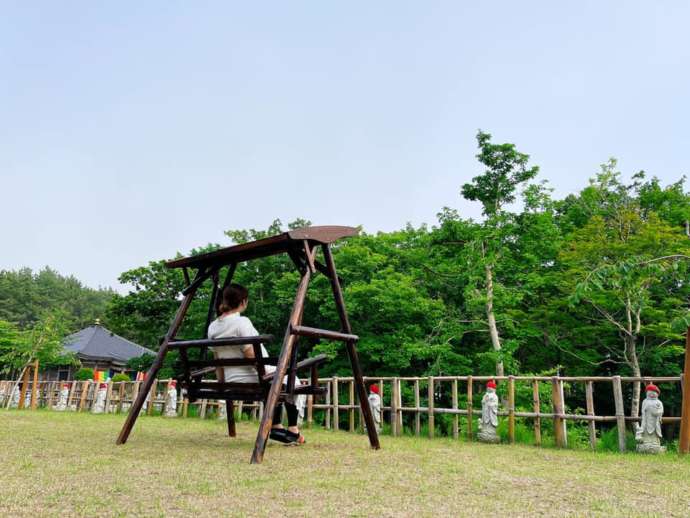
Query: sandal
295,438
280,435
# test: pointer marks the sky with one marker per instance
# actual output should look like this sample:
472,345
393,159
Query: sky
130,131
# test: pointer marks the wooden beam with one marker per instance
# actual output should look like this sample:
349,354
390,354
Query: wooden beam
313,332
620,411
589,398
684,439
536,407
351,349
156,366
281,369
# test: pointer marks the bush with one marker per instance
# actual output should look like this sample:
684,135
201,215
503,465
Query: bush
120,377
609,440
84,374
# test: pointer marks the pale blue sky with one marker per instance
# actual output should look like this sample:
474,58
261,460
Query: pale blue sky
132,130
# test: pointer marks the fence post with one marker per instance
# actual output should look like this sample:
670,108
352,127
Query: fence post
336,412
620,412
310,410
351,400
327,420
536,408
152,397
557,405
394,408
589,396
108,395
72,385
84,393
34,388
431,407
684,439
23,388
469,407
120,396
511,409
454,398
417,417
49,395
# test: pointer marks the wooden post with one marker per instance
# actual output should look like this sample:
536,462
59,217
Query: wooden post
417,416
51,393
511,409
469,407
185,406
684,439
431,407
310,410
399,415
202,412
589,396
120,396
23,389
620,411
394,407
34,388
84,393
454,397
351,349
327,419
536,408
336,411
557,405
351,402
286,351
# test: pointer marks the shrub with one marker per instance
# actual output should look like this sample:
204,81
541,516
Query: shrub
83,374
609,440
120,377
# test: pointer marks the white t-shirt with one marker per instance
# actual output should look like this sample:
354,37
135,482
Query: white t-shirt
230,326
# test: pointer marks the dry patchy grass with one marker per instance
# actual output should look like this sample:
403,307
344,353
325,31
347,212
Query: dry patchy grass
57,464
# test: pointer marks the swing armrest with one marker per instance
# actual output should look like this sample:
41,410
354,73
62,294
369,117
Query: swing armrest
304,364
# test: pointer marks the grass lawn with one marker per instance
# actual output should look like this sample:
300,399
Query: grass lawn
66,463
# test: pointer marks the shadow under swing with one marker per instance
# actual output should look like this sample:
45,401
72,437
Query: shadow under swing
301,245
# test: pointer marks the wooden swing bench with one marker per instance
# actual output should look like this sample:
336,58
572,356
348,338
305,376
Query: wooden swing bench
301,245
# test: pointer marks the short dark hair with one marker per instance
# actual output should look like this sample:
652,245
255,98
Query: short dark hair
233,296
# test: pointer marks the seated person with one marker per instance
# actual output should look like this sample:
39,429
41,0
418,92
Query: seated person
231,323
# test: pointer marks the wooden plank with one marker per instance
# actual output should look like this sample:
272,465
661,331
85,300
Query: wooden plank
454,397
51,393
536,406
34,388
73,384
620,411
557,405
430,407
684,439
394,408
310,411
589,397
313,332
120,396
202,412
185,407
417,415
511,409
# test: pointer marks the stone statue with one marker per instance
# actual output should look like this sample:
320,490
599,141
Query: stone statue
375,404
222,410
648,432
489,419
99,404
61,405
171,400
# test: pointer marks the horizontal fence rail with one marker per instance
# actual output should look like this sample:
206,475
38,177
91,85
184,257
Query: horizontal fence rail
419,399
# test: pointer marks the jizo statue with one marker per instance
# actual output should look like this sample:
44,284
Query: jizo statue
489,419
648,432
171,400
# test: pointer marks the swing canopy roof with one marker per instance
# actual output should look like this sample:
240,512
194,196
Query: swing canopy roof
273,245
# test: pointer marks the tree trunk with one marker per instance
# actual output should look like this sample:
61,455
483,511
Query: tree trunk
491,318
634,363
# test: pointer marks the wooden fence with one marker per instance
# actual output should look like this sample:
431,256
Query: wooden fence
408,401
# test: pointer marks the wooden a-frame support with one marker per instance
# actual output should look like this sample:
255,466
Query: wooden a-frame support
305,261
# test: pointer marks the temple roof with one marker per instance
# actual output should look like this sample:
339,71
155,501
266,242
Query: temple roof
97,343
